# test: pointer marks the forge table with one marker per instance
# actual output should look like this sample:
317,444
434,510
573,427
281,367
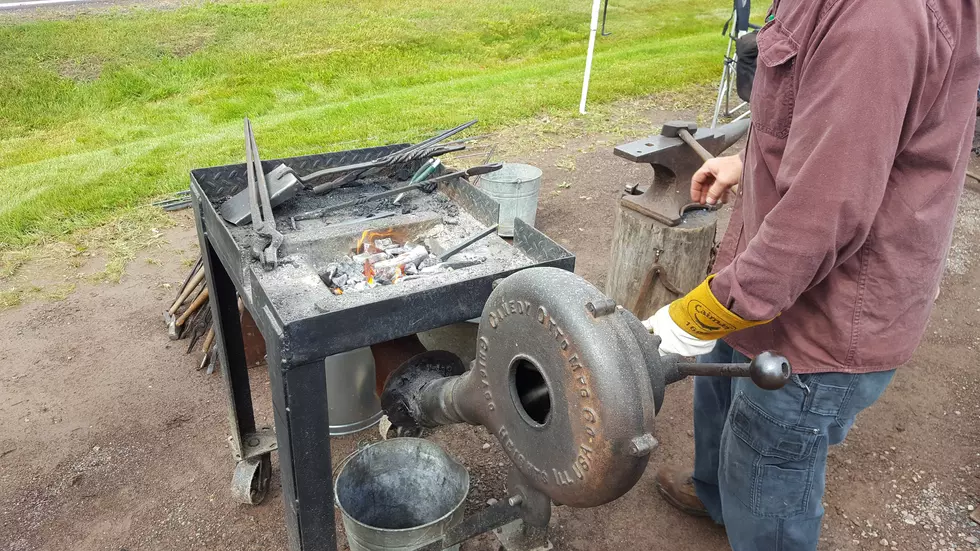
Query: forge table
301,326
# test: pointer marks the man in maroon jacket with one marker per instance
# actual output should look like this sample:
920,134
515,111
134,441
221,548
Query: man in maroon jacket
861,133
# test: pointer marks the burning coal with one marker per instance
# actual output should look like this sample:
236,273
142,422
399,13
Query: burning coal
369,241
377,259
369,273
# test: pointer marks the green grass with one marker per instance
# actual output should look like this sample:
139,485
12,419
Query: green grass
101,112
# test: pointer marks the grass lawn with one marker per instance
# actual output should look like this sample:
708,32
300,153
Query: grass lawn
102,112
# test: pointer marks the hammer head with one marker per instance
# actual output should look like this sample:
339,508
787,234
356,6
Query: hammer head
672,129
674,154
173,331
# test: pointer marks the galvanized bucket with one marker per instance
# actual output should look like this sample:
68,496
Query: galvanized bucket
516,187
400,494
352,397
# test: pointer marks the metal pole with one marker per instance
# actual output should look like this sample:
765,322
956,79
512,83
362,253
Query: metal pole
724,86
588,58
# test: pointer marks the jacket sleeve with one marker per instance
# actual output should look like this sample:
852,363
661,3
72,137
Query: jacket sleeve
850,109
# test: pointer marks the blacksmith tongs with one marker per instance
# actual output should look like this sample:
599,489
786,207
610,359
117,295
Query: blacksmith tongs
265,247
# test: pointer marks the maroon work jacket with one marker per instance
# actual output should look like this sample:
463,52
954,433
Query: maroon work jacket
862,122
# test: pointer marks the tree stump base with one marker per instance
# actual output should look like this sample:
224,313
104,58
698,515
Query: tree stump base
672,260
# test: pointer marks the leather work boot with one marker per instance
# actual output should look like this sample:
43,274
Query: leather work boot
677,487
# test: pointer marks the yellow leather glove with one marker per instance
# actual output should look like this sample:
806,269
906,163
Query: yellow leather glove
700,315
691,325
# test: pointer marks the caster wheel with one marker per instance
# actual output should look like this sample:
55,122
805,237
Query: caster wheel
250,482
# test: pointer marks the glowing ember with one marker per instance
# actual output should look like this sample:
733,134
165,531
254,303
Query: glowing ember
360,242
369,273
383,258
366,242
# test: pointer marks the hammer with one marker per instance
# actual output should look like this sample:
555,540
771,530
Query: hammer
186,292
192,283
176,325
685,131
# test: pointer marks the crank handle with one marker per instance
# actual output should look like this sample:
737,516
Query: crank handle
768,370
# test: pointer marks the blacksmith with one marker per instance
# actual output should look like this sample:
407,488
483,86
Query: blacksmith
862,124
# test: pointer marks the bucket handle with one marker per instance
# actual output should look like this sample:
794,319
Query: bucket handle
361,446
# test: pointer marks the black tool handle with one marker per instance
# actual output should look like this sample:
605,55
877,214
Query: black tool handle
483,169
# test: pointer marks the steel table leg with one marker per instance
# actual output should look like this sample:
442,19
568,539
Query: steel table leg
230,346
299,399
251,448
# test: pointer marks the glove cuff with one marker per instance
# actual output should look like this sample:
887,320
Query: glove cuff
700,315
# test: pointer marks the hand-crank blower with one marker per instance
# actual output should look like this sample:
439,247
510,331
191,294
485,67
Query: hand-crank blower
568,382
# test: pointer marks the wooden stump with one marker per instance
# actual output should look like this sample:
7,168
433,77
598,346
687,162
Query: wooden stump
640,244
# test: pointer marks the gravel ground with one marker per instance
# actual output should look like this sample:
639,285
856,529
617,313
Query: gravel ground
112,439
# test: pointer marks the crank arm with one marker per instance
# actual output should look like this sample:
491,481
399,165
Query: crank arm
768,370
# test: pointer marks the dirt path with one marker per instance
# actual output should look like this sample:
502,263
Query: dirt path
112,439
46,10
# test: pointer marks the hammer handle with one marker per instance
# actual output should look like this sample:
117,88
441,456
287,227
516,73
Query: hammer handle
191,285
208,339
201,298
973,181
698,148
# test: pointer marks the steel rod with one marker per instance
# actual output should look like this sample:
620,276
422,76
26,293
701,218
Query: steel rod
713,369
482,522
356,171
767,370
467,242
402,155
356,202
438,138
396,191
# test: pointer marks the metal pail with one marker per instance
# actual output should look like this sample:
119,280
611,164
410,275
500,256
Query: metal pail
352,396
400,494
515,187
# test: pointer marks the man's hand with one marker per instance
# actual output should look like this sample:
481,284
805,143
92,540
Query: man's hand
673,339
712,183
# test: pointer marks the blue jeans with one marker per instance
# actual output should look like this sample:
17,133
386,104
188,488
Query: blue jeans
760,456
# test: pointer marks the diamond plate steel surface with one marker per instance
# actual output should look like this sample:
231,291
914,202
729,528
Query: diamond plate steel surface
221,182
534,243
